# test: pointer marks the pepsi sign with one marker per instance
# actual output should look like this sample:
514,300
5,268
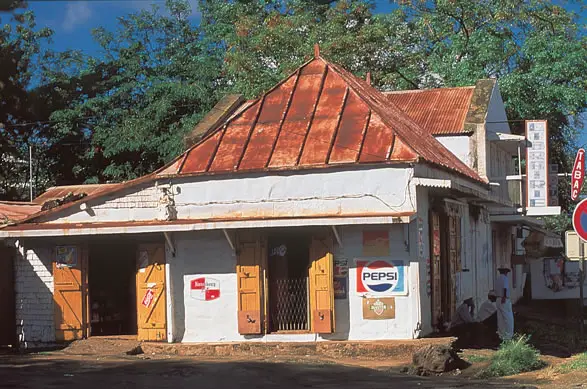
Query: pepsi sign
381,277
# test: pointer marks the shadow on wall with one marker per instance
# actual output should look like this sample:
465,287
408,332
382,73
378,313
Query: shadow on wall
35,309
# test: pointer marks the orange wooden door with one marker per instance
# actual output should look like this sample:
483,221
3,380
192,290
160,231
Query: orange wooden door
321,286
151,301
251,259
70,292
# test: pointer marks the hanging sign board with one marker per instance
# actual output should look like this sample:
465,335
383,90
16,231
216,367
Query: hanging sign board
580,219
578,174
379,308
66,257
537,163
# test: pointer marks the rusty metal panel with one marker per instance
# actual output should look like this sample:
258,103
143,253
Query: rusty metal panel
198,159
293,133
350,135
439,111
378,140
16,210
232,143
401,152
267,127
325,121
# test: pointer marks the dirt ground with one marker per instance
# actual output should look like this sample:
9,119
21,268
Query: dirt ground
103,363
100,363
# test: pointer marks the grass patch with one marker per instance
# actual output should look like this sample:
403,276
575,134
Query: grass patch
578,362
474,358
513,357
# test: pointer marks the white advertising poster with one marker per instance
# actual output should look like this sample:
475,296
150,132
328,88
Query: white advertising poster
537,163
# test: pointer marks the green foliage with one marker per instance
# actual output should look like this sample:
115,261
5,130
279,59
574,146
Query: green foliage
513,357
21,59
535,49
124,112
132,106
474,358
578,362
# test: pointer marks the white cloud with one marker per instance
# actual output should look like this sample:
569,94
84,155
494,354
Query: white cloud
145,4
76,13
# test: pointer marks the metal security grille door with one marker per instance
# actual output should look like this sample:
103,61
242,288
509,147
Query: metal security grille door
151,305
70,292
290,310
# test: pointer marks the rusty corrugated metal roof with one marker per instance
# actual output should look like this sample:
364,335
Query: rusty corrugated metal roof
439,111
58,192
12,211
319,116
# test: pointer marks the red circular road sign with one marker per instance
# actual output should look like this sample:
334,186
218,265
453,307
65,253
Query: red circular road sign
580,219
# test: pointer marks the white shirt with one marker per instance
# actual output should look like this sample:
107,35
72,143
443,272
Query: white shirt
462,316
487,309
502,283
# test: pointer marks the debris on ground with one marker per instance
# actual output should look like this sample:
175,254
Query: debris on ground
435,360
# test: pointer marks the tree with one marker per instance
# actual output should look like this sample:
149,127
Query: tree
536,50
132,107
21,56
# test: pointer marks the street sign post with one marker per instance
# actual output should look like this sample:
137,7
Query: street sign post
578,174
580,227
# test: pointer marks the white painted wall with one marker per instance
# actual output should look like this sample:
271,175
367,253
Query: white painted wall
208,253
496,119
317,193
459,146
540,291
34,297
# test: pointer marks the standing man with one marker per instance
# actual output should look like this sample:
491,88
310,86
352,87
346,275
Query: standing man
505,315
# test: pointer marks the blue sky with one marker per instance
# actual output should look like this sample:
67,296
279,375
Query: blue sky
72,21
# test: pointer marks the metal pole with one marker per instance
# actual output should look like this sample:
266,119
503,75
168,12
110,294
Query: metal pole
581,281
31,171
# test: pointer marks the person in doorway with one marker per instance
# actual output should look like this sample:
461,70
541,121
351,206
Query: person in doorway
505,315
463,322
488,312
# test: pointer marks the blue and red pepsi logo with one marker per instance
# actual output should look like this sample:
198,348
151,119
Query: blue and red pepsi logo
379,277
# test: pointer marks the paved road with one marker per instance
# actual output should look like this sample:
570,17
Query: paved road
90,372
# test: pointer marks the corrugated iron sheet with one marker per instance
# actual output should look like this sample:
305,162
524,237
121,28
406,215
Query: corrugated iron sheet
438,111
319,116
12,211
58,192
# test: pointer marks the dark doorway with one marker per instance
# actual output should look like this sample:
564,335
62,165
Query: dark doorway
289,258
7,298
112,289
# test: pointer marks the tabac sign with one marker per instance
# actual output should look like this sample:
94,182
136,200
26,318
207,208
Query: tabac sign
381,277
578,174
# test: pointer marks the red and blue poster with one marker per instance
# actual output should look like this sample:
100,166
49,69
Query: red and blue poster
205,289
381,277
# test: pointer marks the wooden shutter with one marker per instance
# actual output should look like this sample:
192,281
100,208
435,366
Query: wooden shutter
251,258
151,301
70,292
321,286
